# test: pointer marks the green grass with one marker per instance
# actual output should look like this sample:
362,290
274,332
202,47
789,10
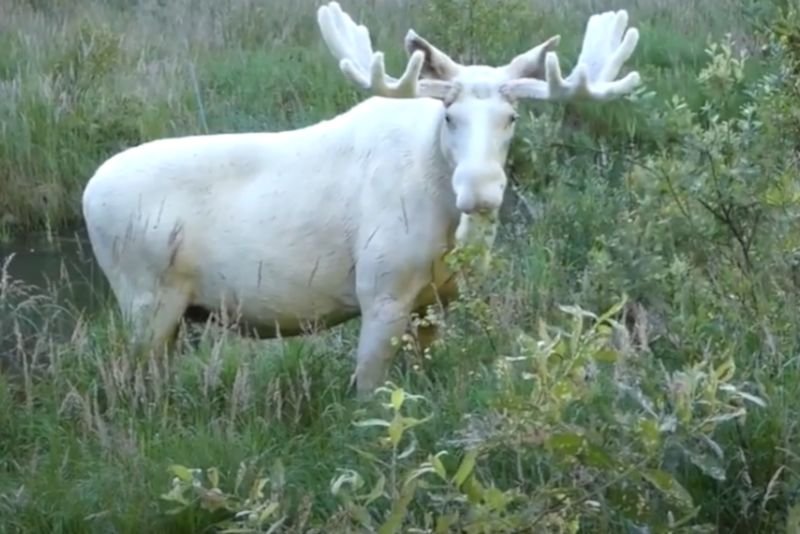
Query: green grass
81,81
690,212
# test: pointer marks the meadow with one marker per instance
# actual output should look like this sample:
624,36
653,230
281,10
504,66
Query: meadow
629,366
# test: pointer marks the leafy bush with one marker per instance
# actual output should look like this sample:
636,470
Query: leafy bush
675,211
592,426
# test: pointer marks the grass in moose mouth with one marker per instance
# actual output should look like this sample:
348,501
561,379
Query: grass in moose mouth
673,412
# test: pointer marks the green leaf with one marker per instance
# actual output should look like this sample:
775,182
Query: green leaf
466,467
564,390
176,495
257,489
438,466
396,430
496,499
276,525
409,422
347,477
559,348
473,490
240,474
752,398
595,456
725,371
398,396
399,508
576,335
213,476
576,311
408,451
424,469
606,355
445,522
793,520
376,492
613,310
650,435
566,443
270,509
721,418
181,472
278,475
361,514
667,484
372,422
365,454
708,464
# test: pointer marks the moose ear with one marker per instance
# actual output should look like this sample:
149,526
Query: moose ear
437,64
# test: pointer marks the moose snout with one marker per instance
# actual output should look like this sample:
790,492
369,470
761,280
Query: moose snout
470,205
479,188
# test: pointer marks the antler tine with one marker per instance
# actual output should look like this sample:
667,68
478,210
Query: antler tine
599,62
350,43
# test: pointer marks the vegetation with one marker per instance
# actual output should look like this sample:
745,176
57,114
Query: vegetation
630,366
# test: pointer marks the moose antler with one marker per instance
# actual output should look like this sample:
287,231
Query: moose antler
350,43
599,62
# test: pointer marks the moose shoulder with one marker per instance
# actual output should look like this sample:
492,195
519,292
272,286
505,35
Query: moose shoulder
347,217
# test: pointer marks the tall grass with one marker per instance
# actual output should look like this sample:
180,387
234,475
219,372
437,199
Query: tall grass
675,210
80,81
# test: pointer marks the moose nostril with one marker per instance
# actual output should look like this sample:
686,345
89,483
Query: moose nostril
466,204
476,208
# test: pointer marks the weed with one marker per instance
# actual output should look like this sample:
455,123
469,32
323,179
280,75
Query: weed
674,210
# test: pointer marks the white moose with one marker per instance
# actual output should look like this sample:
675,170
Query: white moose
348,217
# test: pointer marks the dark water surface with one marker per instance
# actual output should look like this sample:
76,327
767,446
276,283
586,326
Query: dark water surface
62,263
49,282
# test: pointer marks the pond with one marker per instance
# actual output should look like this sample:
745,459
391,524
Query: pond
61,271
62,266
48,282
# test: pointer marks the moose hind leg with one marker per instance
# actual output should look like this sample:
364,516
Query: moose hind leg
427,336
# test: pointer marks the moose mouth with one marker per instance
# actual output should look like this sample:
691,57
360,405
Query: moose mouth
479,188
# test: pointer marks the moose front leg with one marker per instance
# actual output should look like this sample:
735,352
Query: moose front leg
382,319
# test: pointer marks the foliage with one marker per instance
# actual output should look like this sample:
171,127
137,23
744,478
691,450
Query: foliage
675,211
82,81
254,513
599,422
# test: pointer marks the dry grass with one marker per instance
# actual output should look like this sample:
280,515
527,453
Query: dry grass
87,432
82,80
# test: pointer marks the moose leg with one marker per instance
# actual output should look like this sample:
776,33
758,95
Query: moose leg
154,318
382,319
427,336
435,315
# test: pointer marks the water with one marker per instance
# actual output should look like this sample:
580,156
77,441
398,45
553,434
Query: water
63,263
51,283
61,269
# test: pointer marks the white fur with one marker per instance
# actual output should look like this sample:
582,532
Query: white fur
348,217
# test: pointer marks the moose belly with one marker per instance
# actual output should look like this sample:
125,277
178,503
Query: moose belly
269,297
267,294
